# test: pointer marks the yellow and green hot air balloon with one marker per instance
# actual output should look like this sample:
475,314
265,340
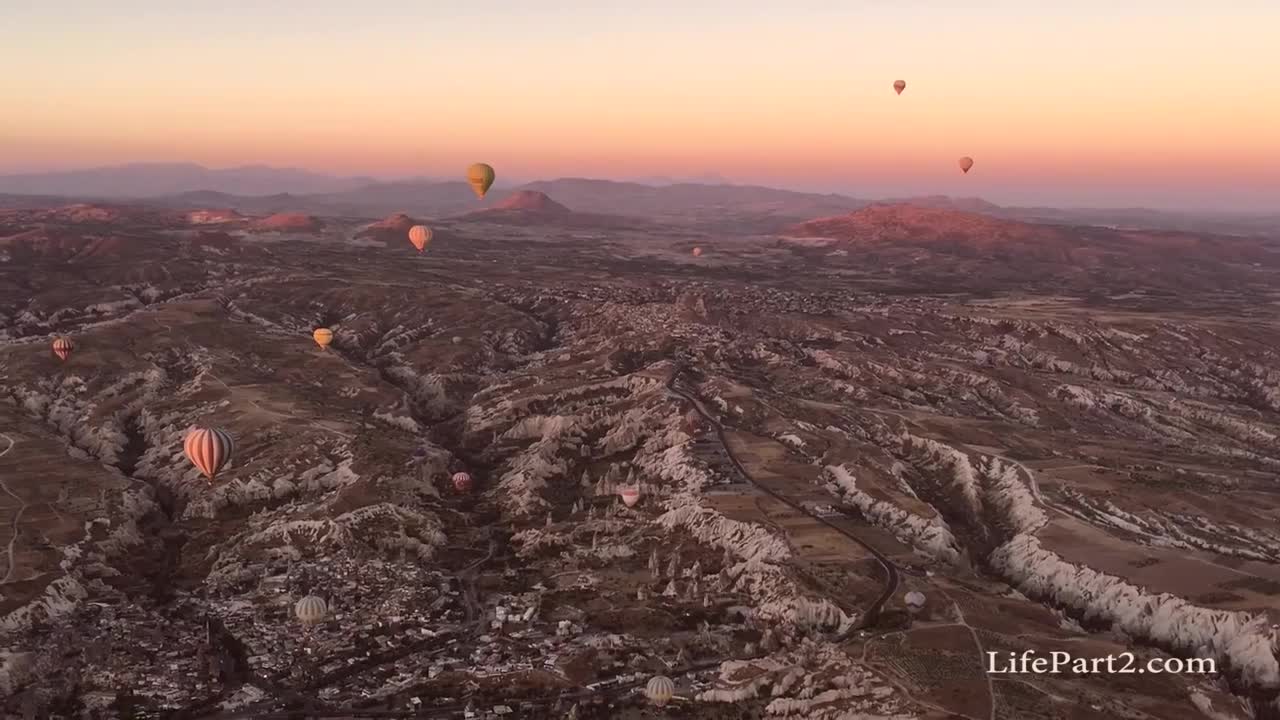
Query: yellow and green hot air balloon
480,177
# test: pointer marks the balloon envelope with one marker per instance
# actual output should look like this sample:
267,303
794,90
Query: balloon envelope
660,690
697,252
323,336
62,347
461,482
966,163
630,496
208,449
311,609
480,176
420,235
899,85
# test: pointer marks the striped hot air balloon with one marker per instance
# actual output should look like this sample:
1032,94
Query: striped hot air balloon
420,235
323,336
660,690
209,449
462,482
630,496
311,609
62,347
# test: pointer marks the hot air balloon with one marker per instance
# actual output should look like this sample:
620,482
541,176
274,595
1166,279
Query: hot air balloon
311,609
323,336
420,235
660,690
915,600
966,162
62,347
462,482
630,496
208,449
899,85
480,176
456,340
697,252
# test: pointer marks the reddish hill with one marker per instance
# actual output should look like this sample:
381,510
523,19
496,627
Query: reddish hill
918,224
530,201
888,229
946,202
391,228
287,222
530,207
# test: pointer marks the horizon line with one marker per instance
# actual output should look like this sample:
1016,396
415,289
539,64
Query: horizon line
516,183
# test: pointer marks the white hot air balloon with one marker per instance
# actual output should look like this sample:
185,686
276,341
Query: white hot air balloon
311,609
915,600
660,690
630,496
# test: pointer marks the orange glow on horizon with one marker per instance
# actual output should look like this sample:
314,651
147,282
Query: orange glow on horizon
1184,97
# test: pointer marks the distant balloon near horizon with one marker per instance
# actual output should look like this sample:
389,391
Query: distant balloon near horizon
62,347
966,162
899,85
480,176
323,336
420,235
208,449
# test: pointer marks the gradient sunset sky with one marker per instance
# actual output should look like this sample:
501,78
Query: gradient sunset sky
1170,103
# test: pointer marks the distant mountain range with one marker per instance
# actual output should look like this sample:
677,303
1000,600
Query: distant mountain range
745,208
141,180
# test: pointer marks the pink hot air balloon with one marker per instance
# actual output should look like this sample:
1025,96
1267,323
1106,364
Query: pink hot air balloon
462,482
630,496
899,86
209,449
966,163
62,347
697,252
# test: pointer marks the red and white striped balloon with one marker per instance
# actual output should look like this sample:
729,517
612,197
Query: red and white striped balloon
462,482
62,347
209,449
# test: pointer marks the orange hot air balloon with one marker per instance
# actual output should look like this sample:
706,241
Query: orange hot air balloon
630,496
323,336
420,235
899,85
480,177
697,252
462,482
209,449
62,347
966,162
